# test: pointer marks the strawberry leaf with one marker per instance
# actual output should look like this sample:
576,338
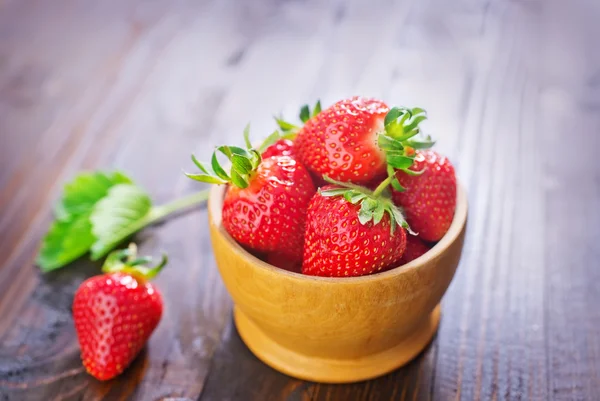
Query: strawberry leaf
420,144
241,164
304,113
317,108
70,235
398,160
270,140
285,126
397,186
65,242
218,170
200,165
82,193
378,212
239,180
125,208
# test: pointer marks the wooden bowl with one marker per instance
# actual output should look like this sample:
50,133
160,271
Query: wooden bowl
336,330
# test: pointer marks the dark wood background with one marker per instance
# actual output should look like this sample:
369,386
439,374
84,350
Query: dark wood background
513,92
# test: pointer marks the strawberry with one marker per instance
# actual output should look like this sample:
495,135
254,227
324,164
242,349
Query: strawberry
415,248
283,262
282,147
356,139
352,231
115,313
265,204
429,198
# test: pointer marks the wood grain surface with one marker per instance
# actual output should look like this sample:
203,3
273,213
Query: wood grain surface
512,88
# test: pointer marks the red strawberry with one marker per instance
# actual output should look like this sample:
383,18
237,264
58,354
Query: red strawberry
283,147
341,141
115,313
351,232
429,200
344,141
265,208
284,262
415,248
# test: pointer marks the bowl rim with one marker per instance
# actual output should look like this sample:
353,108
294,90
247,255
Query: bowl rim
459,221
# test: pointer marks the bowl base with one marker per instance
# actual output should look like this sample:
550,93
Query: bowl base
334,370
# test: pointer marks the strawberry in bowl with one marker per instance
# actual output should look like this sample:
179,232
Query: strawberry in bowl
267,196
363,297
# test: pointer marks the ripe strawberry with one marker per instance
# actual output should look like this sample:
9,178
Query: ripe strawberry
265,207
115,313
351,232
283,262
356,139
429,199
415,248
283,147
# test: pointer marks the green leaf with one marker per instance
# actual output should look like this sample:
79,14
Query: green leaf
239,180
270,140
218,169
317,109
357,197
124,207
82,193
364,215
304,113
247,136
391,116
255,158
65,242
333,192
378,212
200,165
417,144
398,160
285,126
414,173
415,122
408,135
209,179
241,164
397,186
386,142
70,235
234,150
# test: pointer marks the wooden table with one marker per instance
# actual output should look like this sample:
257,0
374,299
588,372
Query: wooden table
513,94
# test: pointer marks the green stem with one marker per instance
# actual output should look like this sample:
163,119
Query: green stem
157,213
382,186
177,205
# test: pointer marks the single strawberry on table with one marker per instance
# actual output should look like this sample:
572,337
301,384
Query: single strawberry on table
115,313
428,198
352,231
357,139
266,201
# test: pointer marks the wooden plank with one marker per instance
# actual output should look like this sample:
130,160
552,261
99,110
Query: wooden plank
137,86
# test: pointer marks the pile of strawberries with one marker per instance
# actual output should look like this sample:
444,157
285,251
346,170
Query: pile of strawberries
353,191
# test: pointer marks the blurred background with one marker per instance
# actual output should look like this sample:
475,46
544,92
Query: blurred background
512,89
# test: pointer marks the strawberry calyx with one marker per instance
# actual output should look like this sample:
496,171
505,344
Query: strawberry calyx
306,114
373,204
401,126
126,261
244,163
